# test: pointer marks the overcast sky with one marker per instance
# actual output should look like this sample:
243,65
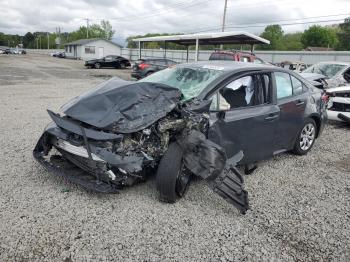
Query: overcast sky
130,17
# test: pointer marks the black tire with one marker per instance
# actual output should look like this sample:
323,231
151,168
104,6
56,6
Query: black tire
122,66
97,66
172,181
298,148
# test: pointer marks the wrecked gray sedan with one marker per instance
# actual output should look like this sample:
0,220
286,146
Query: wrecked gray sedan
199,119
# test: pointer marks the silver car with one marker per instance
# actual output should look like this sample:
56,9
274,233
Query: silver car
336,73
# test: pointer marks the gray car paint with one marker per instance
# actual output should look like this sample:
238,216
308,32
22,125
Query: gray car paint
252,130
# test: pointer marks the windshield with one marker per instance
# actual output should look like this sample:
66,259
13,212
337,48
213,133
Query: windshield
190,81
329,70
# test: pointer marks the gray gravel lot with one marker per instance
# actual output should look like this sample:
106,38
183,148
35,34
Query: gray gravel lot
299,205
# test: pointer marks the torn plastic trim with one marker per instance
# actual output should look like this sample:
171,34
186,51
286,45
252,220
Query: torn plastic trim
59,166
130,163
81,170
76,129
208,160
230,186
76,150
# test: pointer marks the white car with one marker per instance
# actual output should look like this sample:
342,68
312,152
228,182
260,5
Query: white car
335,73
338,107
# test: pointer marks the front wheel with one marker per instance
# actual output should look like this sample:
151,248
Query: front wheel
172,178
306,138
97,65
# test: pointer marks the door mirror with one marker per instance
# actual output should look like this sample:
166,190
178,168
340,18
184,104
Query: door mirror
200,106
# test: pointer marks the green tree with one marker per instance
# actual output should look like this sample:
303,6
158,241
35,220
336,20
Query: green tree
319,36
292,42
104,30
274,33
344,35
107,29
28,40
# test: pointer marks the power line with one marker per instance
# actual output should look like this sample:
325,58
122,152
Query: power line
231,25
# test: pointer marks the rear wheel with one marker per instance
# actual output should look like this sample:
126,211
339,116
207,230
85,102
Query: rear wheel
306,137
172,178
97,65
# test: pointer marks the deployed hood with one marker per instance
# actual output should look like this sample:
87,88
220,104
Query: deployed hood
123,106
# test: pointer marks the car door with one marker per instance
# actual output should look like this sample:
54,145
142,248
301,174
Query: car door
108,61
248,126
291,96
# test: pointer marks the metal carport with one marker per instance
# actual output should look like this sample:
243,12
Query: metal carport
220,38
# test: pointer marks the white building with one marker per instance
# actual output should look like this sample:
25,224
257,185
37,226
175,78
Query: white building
86,49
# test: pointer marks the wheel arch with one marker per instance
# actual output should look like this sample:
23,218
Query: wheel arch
317,120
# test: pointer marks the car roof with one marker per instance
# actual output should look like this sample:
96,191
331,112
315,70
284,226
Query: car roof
225,65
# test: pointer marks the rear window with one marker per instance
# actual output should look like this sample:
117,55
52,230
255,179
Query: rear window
222,56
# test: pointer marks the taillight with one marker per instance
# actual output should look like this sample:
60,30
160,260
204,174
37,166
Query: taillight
325,98
143,66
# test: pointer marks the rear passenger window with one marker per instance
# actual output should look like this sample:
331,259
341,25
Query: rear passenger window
283,85
297,86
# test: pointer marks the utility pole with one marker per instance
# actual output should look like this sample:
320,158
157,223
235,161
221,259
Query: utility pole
87,27
48,41
223,21
224,17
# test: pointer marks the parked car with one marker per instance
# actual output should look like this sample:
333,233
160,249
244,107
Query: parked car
108,61
335,73
59,54
235,56
201,119
297,66
339,103
20,51
8,51
146,67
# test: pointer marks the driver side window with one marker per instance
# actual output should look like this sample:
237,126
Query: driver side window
108,58
246,91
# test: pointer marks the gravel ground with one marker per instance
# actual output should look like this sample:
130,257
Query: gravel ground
299,205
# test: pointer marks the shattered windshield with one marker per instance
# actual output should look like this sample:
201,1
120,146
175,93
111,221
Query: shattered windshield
190,81
329,70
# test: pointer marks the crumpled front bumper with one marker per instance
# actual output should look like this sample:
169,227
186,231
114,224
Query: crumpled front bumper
95,168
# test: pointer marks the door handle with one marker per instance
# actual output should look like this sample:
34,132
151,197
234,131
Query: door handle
299,102
271,117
